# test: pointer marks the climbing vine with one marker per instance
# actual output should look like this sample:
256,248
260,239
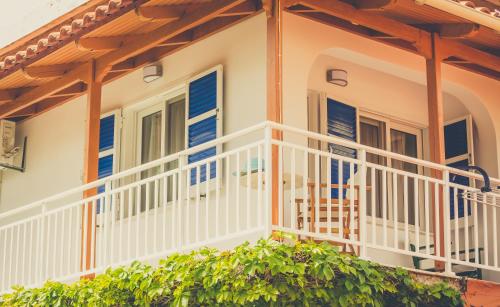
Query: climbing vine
268,273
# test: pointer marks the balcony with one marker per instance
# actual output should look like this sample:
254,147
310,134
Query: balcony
400,211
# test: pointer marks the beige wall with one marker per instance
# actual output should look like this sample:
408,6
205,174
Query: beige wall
383,79
55,139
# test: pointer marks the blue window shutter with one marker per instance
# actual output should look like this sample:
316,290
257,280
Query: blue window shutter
342,122
455,139
204,118
107,148
107,133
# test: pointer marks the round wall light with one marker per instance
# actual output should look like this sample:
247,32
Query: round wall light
337,77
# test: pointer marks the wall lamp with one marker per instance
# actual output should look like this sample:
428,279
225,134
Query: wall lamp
337,77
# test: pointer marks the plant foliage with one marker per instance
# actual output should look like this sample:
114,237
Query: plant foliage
268,273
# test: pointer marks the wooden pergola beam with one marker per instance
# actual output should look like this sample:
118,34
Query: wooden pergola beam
456,31
375,5
6,96
160,12
245,8
419,38
165,32
48,71
181,39
39,93
454,48
101,43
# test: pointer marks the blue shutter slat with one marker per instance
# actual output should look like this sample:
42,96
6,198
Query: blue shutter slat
341,123
107,133
203,95
455,139
202,131
105,166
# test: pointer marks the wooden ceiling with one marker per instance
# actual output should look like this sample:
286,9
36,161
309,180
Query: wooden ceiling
50,66
127,37
406,25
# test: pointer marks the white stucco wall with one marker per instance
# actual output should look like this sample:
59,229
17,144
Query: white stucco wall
54,159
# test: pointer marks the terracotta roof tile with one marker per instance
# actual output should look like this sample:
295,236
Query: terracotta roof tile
64,32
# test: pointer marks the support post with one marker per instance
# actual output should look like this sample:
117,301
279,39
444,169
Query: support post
274,90
90,165
436,133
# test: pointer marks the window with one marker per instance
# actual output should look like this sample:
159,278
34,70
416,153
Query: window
160,133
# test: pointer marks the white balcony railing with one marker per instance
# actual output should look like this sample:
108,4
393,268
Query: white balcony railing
388,213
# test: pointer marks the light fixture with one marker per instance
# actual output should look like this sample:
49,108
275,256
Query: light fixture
337,77
152,72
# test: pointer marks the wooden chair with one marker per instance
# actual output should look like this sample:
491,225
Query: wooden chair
349,221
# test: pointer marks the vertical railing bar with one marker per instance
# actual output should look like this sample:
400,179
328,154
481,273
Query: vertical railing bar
129,222
280,185
362,225
427,219
395,204
485,230
18,251
237,183
197,204
340,191
23,257
188,204
11,258
137,219
113,227
417,214
77,234
495,235
317,195
373,208
173,211
329,195
305,191
268,136
156,208
207,199
121,217
146,216
351,202
384,207
218,176
476,230
437,230
84,240
30,252
259,186
93,235
62,243
226,192
466,228
455,214
249,183
406,209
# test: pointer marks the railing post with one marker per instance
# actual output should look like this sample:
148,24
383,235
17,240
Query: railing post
362,204
268,180
446,220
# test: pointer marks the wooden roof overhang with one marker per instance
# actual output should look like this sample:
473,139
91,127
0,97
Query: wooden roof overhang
407,25
117,36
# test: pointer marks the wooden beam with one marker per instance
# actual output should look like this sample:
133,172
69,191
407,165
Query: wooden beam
39,93
73,90
165,32
419,38
181,39
160,12
435,113
90,163
48,71
462,30
246,8
453,48
102,43
375,5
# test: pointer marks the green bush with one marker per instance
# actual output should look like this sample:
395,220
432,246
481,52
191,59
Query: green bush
267,273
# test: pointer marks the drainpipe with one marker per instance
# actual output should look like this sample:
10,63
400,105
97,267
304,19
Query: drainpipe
463,11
